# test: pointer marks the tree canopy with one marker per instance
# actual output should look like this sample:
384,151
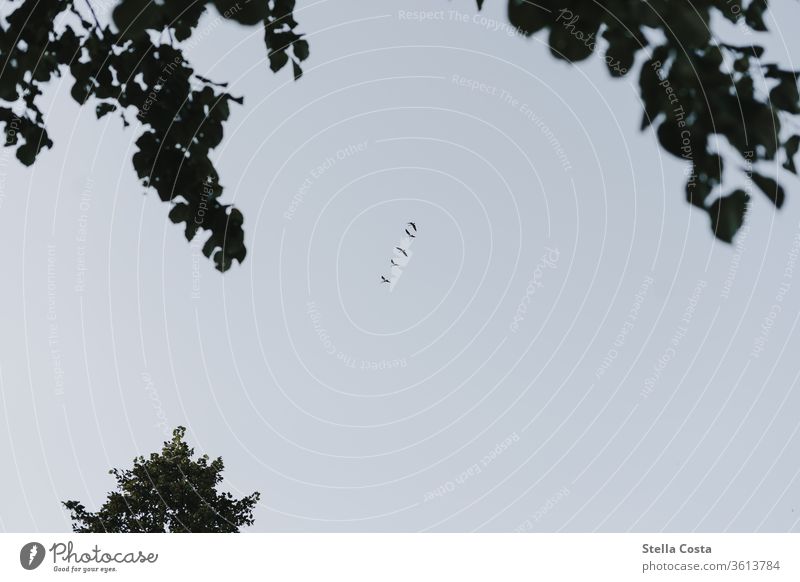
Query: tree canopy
710,101
167,492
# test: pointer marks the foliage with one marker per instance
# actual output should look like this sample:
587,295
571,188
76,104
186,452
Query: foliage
167,492
137,69
698,93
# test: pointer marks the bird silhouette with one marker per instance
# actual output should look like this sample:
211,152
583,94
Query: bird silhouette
412,225
393,263
384,279
411,235
402,251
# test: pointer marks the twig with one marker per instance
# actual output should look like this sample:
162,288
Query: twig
91,9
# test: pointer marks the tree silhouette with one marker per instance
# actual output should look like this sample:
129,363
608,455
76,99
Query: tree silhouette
167,492
707,99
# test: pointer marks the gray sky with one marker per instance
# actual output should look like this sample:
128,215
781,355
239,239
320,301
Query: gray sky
567,347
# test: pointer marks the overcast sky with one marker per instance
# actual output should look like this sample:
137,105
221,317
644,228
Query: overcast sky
565,348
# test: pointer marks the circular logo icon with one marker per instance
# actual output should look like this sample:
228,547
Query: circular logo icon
31,555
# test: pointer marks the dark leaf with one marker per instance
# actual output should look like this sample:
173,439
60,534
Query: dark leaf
301,49
771,188
785,96
530,17
727,214
277,60
754,15
104,109
791,146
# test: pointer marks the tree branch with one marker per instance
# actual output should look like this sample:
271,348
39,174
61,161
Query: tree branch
91,9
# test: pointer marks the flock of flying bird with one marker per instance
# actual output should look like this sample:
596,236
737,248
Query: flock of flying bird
401,250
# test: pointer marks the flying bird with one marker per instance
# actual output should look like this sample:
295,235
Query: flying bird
384,279
412,225
393,263
411,235
402,251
